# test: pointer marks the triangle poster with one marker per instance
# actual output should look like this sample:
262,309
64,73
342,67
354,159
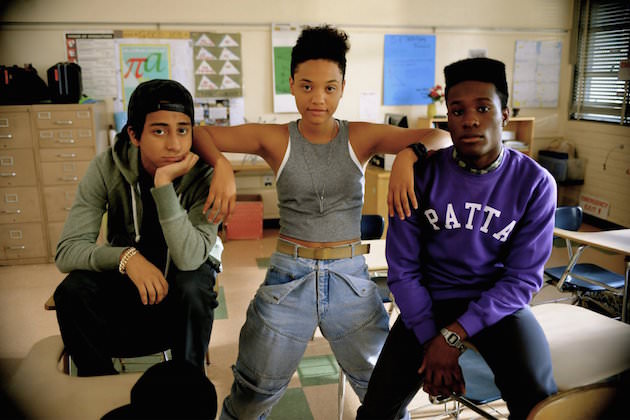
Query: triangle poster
217,55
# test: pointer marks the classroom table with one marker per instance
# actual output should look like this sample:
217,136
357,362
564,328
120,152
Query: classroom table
616,241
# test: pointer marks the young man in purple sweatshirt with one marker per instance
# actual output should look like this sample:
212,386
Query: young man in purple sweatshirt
464,264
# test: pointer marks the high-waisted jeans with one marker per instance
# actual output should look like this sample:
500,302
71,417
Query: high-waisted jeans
298,295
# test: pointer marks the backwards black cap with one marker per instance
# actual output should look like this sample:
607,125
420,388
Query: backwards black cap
480,69
158,95
170,390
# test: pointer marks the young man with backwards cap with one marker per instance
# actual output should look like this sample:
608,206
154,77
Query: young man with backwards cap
464,264
150,286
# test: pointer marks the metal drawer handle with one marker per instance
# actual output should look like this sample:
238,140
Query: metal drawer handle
18,211
63,122
67,208
6,136
66,141
7,174
67,155
15,248
69,178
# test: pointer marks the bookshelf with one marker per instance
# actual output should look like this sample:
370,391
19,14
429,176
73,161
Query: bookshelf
522,127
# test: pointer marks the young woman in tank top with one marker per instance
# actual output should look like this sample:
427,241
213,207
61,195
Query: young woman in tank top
317,276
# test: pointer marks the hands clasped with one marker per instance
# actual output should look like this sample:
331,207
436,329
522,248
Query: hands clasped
442,373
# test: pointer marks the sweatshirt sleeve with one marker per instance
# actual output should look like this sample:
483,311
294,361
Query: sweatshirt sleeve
528,251
404,276
77,248
190,237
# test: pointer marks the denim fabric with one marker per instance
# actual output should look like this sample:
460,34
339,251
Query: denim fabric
298,295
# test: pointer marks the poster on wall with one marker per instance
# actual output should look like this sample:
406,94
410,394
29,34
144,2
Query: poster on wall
536,74
142,59
142,62
95,53
218,69
408,69
283,38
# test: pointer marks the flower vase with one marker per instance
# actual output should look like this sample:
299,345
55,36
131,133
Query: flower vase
431,110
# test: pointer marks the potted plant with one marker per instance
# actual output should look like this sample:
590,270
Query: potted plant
436,94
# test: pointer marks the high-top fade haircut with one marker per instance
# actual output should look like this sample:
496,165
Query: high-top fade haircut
479,69
321,42
157,95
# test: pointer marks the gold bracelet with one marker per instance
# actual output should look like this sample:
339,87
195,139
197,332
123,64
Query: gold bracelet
127,254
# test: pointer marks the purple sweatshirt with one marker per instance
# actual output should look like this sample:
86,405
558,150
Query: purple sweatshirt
481,237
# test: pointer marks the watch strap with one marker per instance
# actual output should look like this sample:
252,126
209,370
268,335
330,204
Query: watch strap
419,149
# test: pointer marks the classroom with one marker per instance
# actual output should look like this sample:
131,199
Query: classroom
541,43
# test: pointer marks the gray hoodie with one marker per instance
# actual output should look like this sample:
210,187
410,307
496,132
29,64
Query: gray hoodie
110,186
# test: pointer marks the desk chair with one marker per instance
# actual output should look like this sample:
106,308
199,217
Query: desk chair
480,386
582,279
599,401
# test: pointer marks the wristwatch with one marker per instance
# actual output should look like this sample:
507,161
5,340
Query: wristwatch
453,339
419,149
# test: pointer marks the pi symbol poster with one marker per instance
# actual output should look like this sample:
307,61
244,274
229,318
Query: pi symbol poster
142,62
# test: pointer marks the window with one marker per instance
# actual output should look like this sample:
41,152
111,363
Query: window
603,40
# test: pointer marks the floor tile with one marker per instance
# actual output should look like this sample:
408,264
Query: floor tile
292,406
220,312
262,262
318,370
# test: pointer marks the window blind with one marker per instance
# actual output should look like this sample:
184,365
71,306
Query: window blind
603,41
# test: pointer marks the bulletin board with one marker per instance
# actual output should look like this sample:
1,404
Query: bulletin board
283,38
113,63
536,74
217,64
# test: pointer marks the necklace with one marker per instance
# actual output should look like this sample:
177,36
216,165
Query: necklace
321,196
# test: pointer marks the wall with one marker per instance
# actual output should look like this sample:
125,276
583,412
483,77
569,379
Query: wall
31,31
594,141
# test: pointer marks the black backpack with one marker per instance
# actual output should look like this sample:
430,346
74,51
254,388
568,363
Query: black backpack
21,86
65,83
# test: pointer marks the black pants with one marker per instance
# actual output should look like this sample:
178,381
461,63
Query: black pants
101,316
515,348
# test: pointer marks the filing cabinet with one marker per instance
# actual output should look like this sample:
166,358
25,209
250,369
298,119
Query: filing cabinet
22,229
44,152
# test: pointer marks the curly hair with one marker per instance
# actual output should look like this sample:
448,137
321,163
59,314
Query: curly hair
321,42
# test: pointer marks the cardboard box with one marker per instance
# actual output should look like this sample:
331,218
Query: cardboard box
246,221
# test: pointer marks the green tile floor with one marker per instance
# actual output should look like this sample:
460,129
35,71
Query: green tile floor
312,371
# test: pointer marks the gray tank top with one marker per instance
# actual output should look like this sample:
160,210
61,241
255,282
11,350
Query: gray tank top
320,189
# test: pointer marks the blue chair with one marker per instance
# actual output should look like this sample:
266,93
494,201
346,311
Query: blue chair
480,386
582,279
372,226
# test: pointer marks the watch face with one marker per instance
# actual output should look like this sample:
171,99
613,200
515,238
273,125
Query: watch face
452,339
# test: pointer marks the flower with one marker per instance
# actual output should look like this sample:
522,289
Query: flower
436,94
